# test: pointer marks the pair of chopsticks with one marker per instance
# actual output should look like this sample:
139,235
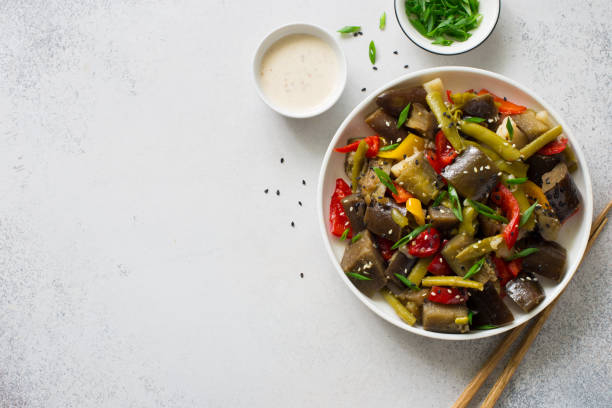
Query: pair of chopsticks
503,380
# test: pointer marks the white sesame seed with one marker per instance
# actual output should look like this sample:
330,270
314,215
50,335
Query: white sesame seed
481,168
488,167
399,139
465,172
346,223
387,123
490,120
391,231
499,174
351,209
449,291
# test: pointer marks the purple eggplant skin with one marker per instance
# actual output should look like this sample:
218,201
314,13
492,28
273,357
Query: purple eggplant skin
394,101
354,207
363,258
379,221
442,218
549,261
561,191
540,164
472,173
488,307
385,126
441,318
525,291
482,106
401,264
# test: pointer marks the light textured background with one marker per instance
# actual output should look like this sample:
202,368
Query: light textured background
141,264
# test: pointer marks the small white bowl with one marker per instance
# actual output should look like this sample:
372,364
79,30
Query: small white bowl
301,28
490,14
574,233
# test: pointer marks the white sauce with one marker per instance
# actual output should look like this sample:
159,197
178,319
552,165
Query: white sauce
299,72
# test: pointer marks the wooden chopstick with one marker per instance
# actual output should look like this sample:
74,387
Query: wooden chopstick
474,385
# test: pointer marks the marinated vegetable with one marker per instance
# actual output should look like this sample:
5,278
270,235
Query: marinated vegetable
449,220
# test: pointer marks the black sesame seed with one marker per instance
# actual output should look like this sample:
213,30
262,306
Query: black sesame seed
266,191
395,52
282,160
406,66
301,275
293,224
374,68
360,33
304,182
505,99
355,34
300,203
363,89
277,192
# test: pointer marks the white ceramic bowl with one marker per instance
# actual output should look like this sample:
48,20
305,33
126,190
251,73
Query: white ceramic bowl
490,14
301,28
574,234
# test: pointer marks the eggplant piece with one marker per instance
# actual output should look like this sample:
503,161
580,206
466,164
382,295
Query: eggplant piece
416,175
540,164
561,192
363,258
370,185
452,248
482,106
472,173
414,299
354,207
379,221
525,291
422,121
401,264
394,101
441,318
442,218
386,126
529,124
488,307
547,224
489,226
549,261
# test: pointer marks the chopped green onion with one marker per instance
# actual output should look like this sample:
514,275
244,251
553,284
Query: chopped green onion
410,236
454,197
486,327
519,180
487,211
527,214
407,282
388,147
385,179
344,234
474,119
349,29
383,21
403,116
522,254
357,276
510,129
470,314
474,269
372,52
439,198
356,238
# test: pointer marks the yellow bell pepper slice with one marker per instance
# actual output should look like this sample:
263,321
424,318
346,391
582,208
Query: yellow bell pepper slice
406,148
462,320
413,205
535,193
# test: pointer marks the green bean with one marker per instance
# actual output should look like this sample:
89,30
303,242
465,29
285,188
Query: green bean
480,248
491,139
470,220
524,204
517,168
419,270
449,127
358,160
400,309
398,217
541,141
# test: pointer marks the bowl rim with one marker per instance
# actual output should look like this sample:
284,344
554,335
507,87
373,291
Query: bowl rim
298,28
581,241
427,48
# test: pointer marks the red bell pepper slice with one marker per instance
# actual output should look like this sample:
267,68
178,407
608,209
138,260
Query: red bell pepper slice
432,158
425,244
338,220
503,273
384,245
506,200
447,296
448,96
506,107
373,146
438,265
402,195
445,153
554,147
515,266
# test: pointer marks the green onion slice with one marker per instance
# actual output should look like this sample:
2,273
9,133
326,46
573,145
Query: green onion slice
358,276
409,237
439,198
385,179
510,129
344,234
527,214
518,180
406,282
356,238
454,197
349,29
522,254
383,21
372,52
403,116
474,119
475,268
486,327
388,147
